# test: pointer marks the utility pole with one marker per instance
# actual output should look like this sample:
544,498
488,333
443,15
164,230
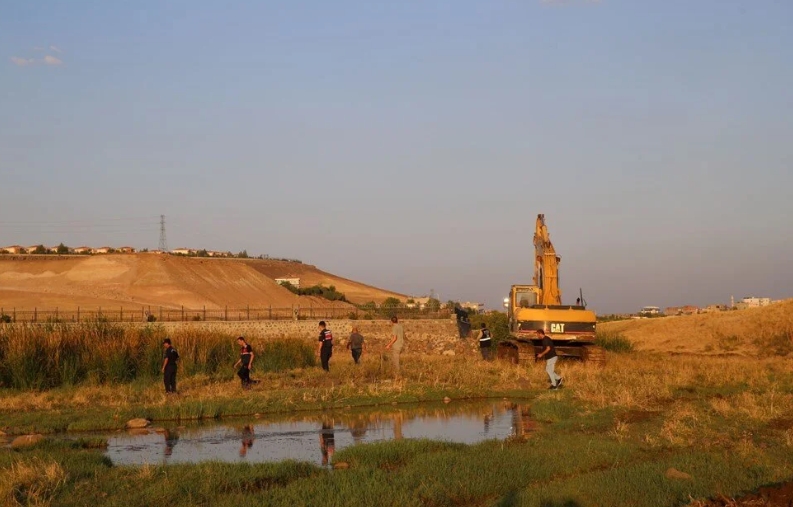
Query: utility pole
163,239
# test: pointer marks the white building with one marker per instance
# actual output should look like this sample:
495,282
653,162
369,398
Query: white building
650,310
753,302
294,282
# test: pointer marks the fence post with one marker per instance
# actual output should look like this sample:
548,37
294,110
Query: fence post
226,313
205,313
78,314
270,312
121,314
182,313
249,312
161,314
15,314
56,313
35,314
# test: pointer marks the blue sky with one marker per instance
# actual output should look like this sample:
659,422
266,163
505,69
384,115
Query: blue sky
411,144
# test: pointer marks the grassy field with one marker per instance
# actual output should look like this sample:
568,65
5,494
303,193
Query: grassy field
647,429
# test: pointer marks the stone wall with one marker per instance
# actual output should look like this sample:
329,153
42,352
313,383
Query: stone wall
421,336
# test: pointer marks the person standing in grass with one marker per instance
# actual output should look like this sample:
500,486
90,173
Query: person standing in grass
484,342
325,348
549,353
169,358
355,344
396,343
245,363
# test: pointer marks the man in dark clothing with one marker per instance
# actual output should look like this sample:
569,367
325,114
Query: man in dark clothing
245,363
463,324
549,353
484,342
325,347
355,344
169,359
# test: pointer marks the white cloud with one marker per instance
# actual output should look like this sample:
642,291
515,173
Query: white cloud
22,62
56,49
51,60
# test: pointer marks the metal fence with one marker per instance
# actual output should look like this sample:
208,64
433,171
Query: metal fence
182,314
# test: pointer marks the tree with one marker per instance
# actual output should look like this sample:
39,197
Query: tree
391,302
202,253
450,304
243,254
39,250
62,249
433,305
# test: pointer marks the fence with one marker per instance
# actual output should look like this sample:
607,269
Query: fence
161,314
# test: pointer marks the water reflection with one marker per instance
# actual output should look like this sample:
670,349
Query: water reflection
295,436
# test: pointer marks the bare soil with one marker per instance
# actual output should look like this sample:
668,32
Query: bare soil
780,495
66,282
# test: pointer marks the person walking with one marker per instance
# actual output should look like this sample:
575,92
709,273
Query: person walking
484,342
396,343
355,344
169,359
325,347
549,353
463,324
245,363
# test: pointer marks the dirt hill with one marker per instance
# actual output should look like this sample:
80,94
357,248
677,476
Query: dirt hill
309,275
158,280
767,330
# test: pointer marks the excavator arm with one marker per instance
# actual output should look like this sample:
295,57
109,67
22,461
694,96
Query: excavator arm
546,265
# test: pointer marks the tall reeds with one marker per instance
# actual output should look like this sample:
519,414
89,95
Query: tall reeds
52,355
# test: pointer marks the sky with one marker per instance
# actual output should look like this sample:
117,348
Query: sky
411,145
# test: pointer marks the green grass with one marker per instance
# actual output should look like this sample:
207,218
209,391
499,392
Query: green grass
614,342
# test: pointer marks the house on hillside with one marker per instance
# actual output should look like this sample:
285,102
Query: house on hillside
294,282
13,249
182,251
714,308
102,250
83,250
126,249
33,248
474,307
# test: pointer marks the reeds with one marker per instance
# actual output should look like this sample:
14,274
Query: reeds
42,357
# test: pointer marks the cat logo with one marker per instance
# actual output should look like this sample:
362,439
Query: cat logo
557,328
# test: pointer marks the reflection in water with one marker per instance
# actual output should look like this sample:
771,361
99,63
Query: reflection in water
294,436
327,441
247,440
171,438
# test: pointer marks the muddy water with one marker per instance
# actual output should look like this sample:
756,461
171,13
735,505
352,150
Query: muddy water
314,437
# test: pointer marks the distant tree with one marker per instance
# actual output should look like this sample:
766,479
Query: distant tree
202,253
450,304
62,249
433,305
391,302
410,301
145,250
243,254
40,250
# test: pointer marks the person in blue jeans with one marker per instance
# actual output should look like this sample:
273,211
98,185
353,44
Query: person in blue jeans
549,353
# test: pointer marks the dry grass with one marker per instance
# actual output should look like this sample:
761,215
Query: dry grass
31,482
745,332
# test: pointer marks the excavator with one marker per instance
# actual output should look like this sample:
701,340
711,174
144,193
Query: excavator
539,306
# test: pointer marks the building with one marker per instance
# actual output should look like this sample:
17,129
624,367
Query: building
33,248
182,251
650,310
294,282
101,250
14,249
83,250
714,308
126,249
752,302
474,307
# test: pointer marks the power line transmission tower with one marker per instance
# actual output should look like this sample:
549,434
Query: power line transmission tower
163,240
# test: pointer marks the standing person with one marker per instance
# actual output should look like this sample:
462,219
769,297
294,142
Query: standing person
463,324
245,363
325,347
484,342
549,353
169,358
396,343
355,344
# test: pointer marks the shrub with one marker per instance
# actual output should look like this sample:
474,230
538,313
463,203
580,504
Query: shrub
613,342
5,319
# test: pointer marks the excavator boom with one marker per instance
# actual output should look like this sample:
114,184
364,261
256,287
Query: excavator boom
546,265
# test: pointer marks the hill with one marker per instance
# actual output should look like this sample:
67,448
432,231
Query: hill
751,332
309,275
169,281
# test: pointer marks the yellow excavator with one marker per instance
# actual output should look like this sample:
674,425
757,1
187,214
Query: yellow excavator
539,306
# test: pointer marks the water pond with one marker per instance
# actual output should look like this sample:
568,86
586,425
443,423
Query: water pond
314,437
